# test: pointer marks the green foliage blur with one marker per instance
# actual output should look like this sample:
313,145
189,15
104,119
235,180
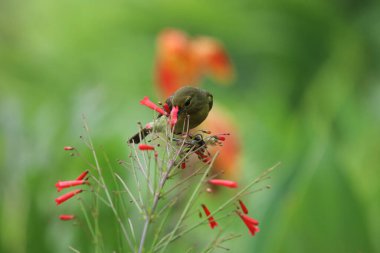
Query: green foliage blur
307,94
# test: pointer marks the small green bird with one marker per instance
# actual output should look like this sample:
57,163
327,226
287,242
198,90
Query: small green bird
193,104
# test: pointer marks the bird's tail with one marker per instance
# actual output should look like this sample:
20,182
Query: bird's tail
139,136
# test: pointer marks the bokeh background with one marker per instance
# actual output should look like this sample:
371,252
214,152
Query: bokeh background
306,93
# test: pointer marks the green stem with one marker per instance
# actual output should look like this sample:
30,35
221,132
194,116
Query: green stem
189,203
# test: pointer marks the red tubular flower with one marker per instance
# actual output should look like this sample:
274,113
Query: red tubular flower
174,116
66,184
183,165
83,175
68,148
221,138
251,223
222,182
243,207
67,196
66,217
146,147
152,106
211,219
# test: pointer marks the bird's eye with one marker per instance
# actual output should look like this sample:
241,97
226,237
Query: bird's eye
188,101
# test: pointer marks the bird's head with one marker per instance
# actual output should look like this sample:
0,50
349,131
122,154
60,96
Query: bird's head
190,100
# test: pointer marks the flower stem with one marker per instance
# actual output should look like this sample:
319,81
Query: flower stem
189,203
106,191
154,206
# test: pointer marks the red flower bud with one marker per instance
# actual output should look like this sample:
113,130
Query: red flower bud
152,106
83,175
211,219
67,196
66,184
222,182
146,147
243,207
66,217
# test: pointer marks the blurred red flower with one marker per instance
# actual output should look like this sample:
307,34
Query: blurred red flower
228,162
175,65
182,61
212,59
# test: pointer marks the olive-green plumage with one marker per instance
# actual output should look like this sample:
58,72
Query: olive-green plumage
194,105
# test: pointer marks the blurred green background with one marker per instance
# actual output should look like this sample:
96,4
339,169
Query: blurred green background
307,94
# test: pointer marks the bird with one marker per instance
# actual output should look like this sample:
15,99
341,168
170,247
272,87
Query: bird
193,104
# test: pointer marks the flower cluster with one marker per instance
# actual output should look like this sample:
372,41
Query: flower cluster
60,185
251,223
182,60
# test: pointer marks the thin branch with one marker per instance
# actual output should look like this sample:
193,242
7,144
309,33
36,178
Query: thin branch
129,193
189,203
